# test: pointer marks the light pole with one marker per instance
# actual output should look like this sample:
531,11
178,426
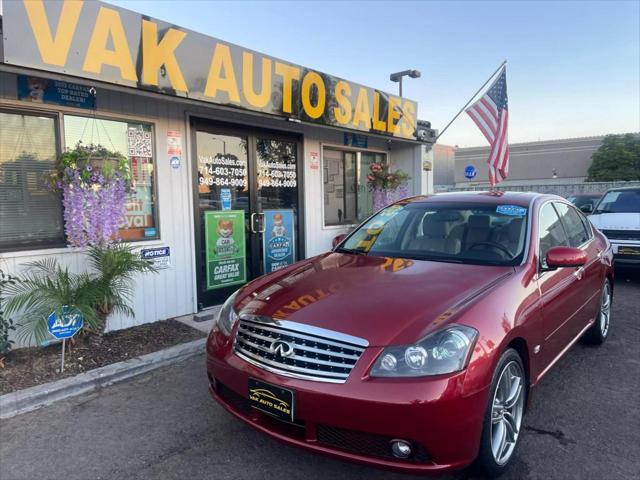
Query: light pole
397,77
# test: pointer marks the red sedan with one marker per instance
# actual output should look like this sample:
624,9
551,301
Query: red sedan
416,343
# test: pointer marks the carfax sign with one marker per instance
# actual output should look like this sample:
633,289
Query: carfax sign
279,243
95,40
225,248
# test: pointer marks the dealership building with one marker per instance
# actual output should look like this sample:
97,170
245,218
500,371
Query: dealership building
223,142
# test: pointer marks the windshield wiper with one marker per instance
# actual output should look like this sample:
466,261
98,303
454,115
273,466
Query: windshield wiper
432,258
350,250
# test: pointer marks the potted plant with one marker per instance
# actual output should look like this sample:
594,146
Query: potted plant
94,182
386,186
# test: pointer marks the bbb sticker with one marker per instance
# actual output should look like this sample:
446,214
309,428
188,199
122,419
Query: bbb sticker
511,210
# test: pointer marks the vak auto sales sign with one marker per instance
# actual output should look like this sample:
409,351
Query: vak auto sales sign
102,42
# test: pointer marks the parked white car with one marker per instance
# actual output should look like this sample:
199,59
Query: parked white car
617,215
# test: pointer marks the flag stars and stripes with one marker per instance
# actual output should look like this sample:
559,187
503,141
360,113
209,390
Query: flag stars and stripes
491,115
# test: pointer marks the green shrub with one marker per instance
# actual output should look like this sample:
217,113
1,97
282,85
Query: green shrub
6,323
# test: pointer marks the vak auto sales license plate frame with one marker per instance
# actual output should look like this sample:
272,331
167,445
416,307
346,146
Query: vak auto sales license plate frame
271,399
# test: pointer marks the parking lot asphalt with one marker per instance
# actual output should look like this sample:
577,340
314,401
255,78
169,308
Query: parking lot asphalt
584,424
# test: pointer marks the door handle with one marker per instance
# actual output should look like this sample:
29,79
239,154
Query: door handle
578,273
257,223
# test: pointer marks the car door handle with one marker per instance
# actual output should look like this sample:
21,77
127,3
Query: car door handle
578,273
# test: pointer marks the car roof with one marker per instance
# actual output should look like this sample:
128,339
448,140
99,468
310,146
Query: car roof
523,199
624,189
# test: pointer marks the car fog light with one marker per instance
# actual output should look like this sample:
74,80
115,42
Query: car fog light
389,362
400,449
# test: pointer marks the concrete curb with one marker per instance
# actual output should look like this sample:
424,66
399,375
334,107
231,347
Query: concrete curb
22,401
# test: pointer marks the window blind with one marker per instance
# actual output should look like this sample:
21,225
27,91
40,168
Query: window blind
30,213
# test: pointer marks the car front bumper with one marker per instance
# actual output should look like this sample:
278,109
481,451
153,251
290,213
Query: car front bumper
622,258
358,419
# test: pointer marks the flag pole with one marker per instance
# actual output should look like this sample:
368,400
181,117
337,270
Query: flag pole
470,100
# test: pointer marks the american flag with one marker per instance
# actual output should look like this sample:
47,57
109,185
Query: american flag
491,115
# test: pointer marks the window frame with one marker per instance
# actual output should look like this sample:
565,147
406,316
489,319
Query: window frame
585,223
155,196
542,267
358,152
55,116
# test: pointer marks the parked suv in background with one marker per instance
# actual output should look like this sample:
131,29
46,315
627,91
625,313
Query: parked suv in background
617,215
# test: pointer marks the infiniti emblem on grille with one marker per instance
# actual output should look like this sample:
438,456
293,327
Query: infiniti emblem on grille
282,349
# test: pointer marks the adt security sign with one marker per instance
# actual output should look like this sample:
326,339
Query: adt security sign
470,172
65,323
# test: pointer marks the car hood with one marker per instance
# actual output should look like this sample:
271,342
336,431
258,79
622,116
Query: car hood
616,221
383,300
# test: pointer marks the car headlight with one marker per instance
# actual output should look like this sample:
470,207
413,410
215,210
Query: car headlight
227,316
446,351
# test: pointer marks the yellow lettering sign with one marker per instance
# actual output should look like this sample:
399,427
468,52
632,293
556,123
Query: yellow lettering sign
216,81
378,124
409,119
53,49
108,24
155,54
313,79
258,100
362,114
288,74
343,111
393,115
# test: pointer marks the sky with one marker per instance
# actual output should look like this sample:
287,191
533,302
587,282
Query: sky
573,67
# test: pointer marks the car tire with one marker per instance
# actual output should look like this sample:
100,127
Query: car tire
503,418
599,331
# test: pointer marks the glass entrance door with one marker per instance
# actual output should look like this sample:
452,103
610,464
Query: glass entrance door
247,207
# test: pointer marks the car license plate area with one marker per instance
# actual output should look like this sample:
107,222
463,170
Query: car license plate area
629,250
276,401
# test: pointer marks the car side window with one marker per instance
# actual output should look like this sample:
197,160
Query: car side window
550,231
573,224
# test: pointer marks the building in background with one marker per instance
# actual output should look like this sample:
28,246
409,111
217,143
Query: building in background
544,163
444,157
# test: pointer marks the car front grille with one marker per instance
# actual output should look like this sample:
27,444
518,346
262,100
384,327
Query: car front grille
297,350
622,234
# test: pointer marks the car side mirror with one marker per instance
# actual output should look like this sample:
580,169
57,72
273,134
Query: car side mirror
559,257
587,208
337,240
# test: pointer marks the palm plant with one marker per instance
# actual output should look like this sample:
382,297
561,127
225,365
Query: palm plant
45,287
116,266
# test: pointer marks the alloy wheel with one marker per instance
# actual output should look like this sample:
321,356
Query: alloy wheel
506,412
605,309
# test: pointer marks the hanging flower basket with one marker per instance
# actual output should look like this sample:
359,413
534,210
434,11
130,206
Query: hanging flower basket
387,187
94,182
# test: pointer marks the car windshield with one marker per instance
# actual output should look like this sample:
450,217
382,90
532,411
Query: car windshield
451,232
620,201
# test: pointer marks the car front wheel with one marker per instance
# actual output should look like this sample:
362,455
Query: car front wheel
598,332
503,418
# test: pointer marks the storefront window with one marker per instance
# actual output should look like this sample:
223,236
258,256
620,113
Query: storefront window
135,141
30,213
347,198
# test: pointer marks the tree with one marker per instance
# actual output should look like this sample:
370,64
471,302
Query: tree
618,158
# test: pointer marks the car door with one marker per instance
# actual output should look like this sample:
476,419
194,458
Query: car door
560,297
590,276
